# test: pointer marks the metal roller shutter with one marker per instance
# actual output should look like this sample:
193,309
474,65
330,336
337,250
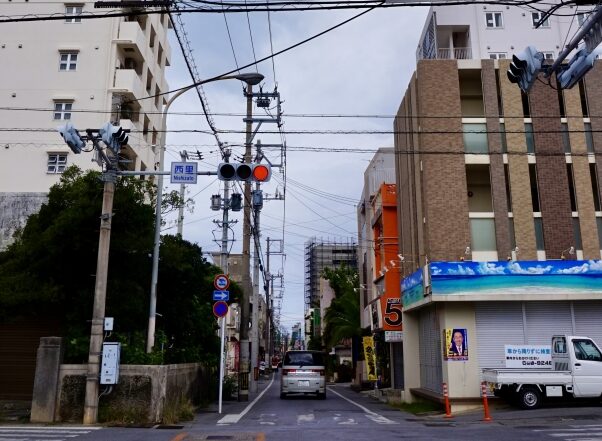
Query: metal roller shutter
430,353
498,323
588,319
544,319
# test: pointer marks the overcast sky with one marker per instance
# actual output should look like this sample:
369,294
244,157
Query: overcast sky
361,68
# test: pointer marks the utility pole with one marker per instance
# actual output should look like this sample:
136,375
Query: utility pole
184,157
255,337
243,375
100,294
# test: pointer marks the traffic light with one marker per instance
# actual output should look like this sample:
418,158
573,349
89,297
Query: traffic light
228,171
113,136
236,202
525,67
579,65
71,137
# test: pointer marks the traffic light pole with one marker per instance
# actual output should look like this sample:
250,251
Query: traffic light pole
100,294
255,316
243,370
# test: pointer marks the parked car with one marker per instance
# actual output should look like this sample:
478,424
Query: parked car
575,372
303,372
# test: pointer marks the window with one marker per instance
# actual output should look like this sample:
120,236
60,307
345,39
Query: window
503,138
536,17
73,10
494,20
529,138
68,61
62,109
56,163
539,243
593,173
482,233
475,138
589,139
599,225
497,55
566,140
571,182
534,187
548,55
586,350
577,234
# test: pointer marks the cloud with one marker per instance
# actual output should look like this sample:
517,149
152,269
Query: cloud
575,269
595,265
461,271
515,268
488,268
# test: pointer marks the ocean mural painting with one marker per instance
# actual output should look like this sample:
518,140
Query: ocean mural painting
516,277
412,288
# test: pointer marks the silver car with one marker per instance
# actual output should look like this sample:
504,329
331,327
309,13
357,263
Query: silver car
303,372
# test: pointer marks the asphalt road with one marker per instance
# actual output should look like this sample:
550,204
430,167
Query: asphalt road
344,415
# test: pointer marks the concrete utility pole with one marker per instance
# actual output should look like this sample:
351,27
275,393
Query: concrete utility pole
243,376
183,156
255,336
100,294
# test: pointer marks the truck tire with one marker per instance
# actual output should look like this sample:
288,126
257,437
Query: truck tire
529,398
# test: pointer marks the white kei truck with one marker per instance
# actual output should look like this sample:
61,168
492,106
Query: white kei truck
576,372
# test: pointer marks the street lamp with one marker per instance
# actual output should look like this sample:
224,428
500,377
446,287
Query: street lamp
251,79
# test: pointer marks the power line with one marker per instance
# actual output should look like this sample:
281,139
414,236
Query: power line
217,7
316,115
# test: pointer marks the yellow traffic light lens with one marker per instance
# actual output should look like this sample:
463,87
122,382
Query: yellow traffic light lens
261,173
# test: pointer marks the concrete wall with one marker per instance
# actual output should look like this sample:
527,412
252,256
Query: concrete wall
15,209
143,394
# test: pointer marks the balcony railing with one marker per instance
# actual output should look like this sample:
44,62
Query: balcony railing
459,53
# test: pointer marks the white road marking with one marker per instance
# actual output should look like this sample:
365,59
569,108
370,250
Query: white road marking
51,428
305,418
369,414
233,418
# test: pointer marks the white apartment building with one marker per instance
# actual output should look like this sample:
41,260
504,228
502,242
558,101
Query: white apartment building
496,31
77,70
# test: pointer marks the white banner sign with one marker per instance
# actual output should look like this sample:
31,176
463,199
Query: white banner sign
528,356
393,336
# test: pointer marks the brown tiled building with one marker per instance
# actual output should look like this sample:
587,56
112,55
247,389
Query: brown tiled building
486,173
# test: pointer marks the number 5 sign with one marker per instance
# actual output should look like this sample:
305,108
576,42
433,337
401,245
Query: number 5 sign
391,313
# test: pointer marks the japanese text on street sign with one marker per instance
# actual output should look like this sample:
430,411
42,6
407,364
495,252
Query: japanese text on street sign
183,172
528,356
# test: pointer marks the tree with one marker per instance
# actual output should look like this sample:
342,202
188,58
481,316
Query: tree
342,317
49,271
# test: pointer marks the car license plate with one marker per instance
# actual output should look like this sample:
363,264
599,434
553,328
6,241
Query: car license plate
303,383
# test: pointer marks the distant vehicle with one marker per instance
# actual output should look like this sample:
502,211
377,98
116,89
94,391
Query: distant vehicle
275,362
576,373
303,372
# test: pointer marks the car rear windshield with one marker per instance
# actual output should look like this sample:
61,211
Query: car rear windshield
304,359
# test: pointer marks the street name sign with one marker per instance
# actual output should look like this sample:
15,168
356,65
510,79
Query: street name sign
183,172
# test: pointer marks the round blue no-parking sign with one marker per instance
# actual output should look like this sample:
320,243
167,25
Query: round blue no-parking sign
220,308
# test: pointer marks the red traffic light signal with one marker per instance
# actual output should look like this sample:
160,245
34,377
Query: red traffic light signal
227,171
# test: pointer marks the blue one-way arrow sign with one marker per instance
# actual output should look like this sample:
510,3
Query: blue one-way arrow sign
221,295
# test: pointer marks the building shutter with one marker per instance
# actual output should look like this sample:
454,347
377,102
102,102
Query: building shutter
498,324
430,350
588,316
545,319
